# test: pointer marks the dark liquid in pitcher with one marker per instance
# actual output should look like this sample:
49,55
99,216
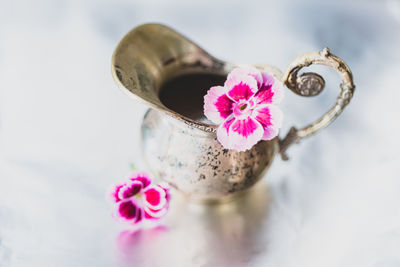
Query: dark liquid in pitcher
185,94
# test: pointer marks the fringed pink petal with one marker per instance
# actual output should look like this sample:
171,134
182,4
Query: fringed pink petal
154,208
245,133
155,213
278,90
142,177
140,215
217,106
166,188
223,133
115,193
155,197
270,118
270,92
148,216
130,189
240,134
241,87
128,210
247,70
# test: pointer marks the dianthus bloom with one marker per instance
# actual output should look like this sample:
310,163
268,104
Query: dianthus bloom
138,199
244,108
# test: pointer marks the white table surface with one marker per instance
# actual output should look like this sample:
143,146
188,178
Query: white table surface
67,133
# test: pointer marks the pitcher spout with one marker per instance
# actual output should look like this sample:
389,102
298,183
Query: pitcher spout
152,54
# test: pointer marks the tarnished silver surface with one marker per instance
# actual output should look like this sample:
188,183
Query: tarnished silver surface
194,162
184,150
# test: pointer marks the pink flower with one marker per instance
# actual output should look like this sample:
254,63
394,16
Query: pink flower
138,199
244,108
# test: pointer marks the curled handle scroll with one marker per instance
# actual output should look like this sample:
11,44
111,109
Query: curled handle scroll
311,84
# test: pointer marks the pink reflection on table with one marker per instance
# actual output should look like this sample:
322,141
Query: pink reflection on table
129,242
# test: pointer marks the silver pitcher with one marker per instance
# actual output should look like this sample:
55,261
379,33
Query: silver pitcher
179,145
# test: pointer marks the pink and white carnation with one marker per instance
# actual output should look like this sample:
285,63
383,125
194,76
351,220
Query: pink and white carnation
138,199
245,108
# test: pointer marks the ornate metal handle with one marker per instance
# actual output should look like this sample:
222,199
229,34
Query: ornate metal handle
311,84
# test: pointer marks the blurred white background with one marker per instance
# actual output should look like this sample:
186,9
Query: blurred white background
67,133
